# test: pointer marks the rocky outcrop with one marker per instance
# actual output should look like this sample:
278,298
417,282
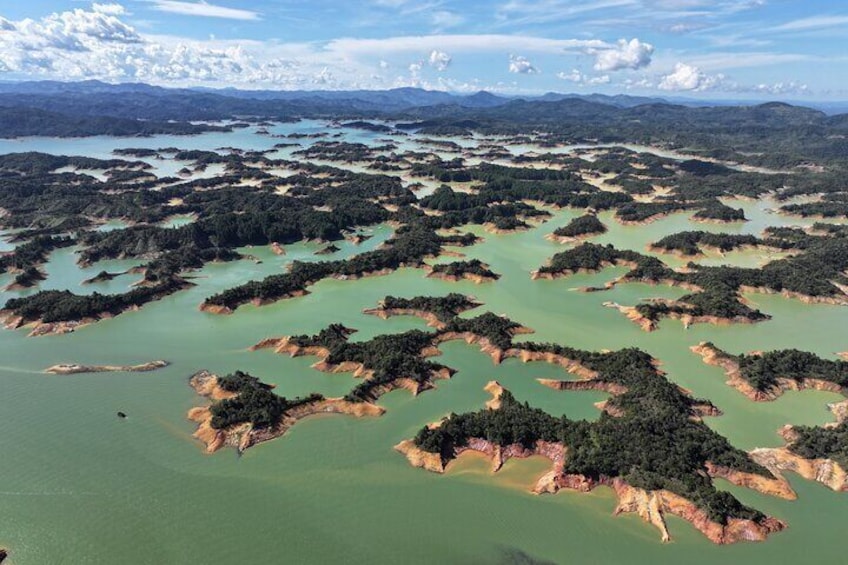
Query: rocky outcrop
591,384
473,277
717,358
634,315
824,471
652,506
386,313
776,486
243,436
837,300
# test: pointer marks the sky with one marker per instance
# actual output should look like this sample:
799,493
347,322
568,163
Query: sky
709,49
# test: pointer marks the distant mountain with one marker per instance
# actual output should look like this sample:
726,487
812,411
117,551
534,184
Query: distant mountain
22,122
28,107
618,100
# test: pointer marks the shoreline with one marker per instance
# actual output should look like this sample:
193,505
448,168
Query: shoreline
651,506
711,355
243,436
77,369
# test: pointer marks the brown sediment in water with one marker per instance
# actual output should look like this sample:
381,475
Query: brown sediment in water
243,436
74,368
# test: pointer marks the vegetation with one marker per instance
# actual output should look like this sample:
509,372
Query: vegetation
647,436
762,370
690,242
720,212
254,403
588,224
443,307
816,271
460,269
821,443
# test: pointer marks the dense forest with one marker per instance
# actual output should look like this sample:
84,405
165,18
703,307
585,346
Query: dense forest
254,403
816,271
821,443
464,269
585,225
762,370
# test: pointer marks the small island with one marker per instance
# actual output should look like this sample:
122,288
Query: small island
245,411
77,369
582,227
474,270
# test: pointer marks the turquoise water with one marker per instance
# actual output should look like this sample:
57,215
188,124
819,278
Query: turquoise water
81,486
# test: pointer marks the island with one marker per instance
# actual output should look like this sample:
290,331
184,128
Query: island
473,270
245,411
76,369
582,227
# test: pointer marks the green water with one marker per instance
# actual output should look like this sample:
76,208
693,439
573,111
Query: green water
78,485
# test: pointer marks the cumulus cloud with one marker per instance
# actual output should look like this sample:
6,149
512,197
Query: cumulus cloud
573,76
633,54
439,60
111,9
582,79
521,65
689,77
98,42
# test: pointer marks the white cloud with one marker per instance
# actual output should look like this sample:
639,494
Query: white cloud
439,60
482,43
573,76
813,23
582,79
632,54
111,9
100,43
521,65
203,9
689,77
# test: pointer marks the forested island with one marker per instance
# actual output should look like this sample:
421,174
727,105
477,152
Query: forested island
814,272
816,453
650,443
584,226
426,182
473,270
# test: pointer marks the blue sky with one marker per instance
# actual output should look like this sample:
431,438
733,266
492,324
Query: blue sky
758,49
